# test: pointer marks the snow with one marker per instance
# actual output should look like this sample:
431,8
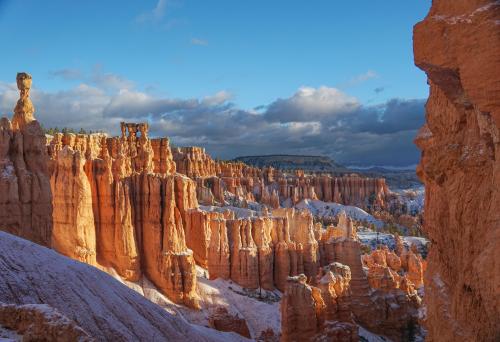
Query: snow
369,238
370,337
466,18
101,305
424,133
7,335
331,209
413,198
239,212
259,315
8,171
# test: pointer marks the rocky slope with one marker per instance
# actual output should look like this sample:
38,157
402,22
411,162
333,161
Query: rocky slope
458,46
103,307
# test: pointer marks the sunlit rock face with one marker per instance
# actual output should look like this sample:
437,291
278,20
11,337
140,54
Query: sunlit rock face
309,313
458,46
113,209
25,196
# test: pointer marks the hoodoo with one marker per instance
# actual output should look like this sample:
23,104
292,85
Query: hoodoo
25,195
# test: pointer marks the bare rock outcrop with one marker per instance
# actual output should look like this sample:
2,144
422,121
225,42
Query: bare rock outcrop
391,309
40,322
222,320
458,46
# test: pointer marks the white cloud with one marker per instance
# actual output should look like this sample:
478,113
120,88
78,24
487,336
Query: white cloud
97,77
309,104
361,78
217,99
154,15
312,121
67,74
199,42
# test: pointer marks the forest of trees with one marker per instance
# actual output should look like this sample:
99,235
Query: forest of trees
64,130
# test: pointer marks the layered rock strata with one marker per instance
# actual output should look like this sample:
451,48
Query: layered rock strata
388,270
222,320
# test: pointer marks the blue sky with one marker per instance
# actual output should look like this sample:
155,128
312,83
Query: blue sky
243,54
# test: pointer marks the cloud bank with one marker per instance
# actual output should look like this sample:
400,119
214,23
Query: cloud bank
320,121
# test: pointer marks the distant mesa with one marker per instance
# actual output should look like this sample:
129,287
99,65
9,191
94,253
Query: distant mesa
295,162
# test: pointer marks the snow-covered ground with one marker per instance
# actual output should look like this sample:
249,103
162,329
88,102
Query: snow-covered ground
259,315
239,212
372,238
102,306
368,336
7,335
331,209
413,198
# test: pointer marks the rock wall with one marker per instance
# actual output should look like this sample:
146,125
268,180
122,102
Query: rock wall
458,46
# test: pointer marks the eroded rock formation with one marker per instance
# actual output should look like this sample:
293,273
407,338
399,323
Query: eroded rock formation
112,208
118,203
321,314
25,196
274,187
387,270
458,46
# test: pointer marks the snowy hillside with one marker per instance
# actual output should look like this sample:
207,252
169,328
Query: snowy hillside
330,209
101,305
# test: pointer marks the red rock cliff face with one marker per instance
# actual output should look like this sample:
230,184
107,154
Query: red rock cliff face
458,46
